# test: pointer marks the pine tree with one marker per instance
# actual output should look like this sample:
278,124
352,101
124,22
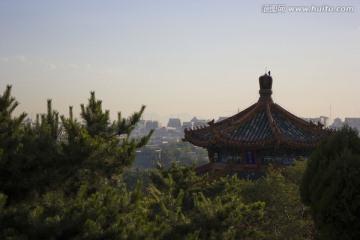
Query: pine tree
10,144
96,150
62,182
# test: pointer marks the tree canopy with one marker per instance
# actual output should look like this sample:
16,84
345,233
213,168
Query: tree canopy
331,186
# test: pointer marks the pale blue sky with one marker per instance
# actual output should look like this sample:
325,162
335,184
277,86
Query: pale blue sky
180,58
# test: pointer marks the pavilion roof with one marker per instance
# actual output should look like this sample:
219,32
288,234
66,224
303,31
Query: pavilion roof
263,124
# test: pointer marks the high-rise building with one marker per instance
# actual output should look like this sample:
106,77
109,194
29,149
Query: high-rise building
174,123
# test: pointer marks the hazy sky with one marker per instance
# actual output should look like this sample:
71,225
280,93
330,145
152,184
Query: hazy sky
179,57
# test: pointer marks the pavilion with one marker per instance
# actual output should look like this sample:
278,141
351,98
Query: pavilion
262,133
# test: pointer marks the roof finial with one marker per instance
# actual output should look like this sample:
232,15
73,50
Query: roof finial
265,82
265,70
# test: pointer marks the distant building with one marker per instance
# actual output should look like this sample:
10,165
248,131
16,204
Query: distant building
337,124
151,125
199,122
322,119
143,127
351,122
140,125
354,123
174,123
187,125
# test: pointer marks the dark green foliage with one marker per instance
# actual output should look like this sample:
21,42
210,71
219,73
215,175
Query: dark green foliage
133,176
330,186
97,151
230,208
10,144
285,216
96,122
178,202
52,176
65,182
108,213
46,157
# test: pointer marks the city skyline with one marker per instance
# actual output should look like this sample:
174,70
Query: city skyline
188,58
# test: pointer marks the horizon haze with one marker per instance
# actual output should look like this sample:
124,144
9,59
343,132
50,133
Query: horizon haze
180,58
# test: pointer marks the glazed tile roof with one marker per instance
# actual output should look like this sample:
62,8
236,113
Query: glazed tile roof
263,124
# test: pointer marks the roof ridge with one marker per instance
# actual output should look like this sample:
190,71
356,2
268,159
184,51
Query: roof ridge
272,123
